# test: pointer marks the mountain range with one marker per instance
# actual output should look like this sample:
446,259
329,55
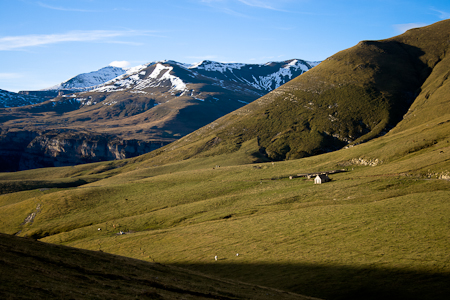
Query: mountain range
141,109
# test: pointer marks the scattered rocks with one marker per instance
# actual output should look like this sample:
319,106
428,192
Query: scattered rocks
363,162
443,175
30,217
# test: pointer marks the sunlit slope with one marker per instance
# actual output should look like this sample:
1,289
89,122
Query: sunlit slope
353,96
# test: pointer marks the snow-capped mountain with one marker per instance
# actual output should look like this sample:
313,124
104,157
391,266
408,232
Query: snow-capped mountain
11,99
264,77
81,82
259,78
89,80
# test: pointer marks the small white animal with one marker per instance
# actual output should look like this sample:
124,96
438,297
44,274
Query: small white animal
215,257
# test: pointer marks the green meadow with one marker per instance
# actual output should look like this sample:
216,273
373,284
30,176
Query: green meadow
380,228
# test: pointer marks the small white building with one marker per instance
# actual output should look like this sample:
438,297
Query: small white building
321,178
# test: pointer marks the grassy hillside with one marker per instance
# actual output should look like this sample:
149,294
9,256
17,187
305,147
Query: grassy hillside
379,230
353,96
35,270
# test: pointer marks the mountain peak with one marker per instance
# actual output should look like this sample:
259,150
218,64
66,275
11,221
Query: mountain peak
209,65
89,80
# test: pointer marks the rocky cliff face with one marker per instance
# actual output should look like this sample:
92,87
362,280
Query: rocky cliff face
22,150
12,145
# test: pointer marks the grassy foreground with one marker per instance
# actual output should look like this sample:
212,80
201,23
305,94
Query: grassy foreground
379,230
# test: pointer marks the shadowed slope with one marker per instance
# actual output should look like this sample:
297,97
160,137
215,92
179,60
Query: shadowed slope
35,270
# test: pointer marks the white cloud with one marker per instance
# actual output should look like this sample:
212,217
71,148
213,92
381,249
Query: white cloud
442,14
229,7
120,64
254,3
222,6
125,43
401,28
257,3
10,76
266,4
62,8
23,41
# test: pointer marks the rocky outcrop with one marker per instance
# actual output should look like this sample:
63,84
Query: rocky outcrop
12,145
22,150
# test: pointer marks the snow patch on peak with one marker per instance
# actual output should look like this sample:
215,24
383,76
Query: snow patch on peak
177,83
195,65
213,66
284,74
138,68
293,62
124,81
296,64
158,69
172,62
162,73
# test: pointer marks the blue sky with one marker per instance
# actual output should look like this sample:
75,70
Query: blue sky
45,42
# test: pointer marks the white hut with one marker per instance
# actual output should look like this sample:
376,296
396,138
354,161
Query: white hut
321,178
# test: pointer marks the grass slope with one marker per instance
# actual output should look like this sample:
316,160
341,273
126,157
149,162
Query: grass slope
35,270
355,95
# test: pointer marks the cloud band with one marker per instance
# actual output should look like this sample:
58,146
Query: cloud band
24,41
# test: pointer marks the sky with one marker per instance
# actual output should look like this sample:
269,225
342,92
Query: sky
46,42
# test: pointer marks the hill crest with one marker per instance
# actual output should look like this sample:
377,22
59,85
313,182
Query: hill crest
353,96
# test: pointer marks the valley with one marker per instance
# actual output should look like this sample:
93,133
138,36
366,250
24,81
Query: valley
150,105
